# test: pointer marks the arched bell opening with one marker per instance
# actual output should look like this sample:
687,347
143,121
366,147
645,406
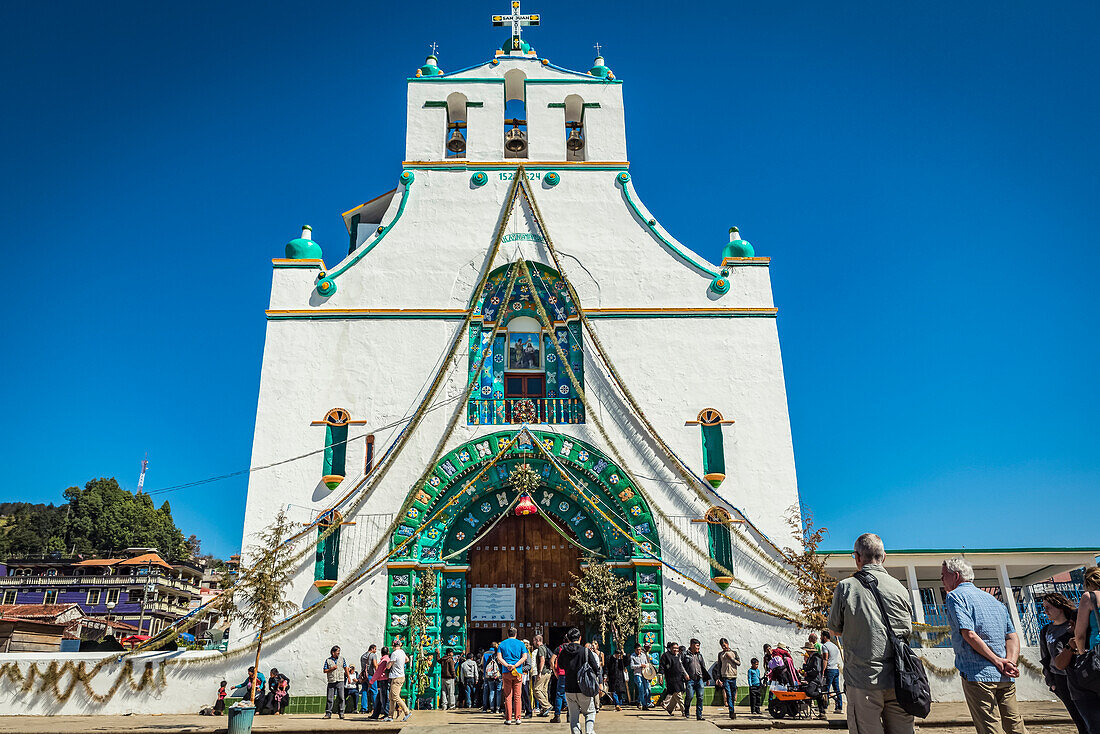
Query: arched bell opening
515,114
575,134
457,132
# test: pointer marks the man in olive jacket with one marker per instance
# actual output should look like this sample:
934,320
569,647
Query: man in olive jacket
868,667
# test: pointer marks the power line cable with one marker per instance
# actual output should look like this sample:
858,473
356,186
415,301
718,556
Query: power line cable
230,475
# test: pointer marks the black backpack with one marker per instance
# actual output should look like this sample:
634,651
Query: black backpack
587,678
910,680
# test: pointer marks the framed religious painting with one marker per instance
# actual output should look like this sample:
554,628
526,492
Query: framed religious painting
524,351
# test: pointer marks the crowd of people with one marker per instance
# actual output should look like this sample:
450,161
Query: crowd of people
521,679
984,640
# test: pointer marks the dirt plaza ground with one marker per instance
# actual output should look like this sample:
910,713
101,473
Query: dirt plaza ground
946,718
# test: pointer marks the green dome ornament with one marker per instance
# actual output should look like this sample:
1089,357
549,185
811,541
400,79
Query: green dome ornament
737,246
430,67
599,69
514,43
303,248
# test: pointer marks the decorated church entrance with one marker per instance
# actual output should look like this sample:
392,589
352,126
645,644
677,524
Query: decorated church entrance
527,548
462,552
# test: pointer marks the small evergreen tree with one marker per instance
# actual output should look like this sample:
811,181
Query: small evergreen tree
605,601
258,596
424,598
813,583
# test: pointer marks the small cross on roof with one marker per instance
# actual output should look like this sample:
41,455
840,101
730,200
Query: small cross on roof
434,46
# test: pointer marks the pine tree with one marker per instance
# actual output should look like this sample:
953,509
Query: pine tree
605,601
813,583
257,600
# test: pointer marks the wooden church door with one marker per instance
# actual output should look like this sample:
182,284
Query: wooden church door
527,553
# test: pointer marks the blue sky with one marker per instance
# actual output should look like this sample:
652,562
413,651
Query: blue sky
925,178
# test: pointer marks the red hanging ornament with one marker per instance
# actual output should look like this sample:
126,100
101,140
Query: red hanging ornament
526,505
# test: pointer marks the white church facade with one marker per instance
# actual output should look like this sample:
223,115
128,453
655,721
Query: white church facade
513,302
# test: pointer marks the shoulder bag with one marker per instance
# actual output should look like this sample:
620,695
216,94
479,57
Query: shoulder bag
1086,666
587,679
910,681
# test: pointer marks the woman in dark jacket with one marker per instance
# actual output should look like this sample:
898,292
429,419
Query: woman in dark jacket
813,671
1052,641
617,671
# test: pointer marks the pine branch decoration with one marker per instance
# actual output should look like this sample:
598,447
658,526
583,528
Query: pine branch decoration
524,479
605,600
812,582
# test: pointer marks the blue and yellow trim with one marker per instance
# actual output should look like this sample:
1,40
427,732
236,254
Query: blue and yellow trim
454,165
282,262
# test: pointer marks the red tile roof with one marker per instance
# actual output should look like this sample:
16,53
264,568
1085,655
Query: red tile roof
35,611
146,559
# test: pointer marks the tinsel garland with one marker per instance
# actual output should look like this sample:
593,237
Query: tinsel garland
79,675
941,672
1021,662
931,640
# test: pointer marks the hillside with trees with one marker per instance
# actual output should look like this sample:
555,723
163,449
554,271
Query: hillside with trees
99,520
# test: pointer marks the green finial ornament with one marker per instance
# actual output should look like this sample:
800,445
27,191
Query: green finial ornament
303,248
737,247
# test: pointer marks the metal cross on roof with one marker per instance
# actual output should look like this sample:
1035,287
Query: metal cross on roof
516,20
597,47
433,47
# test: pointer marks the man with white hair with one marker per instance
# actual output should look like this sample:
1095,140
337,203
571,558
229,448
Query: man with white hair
868,665
986,650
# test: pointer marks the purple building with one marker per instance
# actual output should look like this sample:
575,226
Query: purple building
140,588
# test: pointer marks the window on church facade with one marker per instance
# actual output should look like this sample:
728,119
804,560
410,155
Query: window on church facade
575,143
710,423
721,545
336,447
522,377
326,566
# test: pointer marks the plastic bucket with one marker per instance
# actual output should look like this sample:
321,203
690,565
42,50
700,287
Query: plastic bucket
240,719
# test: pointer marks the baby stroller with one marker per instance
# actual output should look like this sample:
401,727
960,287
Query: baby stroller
789,704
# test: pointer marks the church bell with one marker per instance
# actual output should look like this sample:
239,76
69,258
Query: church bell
575,141
457,143
515,141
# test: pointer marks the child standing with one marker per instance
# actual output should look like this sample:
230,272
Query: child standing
756,688
219,705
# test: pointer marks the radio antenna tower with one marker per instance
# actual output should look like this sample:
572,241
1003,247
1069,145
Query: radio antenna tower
141,477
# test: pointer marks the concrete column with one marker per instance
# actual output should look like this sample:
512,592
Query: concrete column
1010,601
914,593
1032,615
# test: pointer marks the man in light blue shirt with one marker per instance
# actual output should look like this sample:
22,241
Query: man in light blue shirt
986,650
511,654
